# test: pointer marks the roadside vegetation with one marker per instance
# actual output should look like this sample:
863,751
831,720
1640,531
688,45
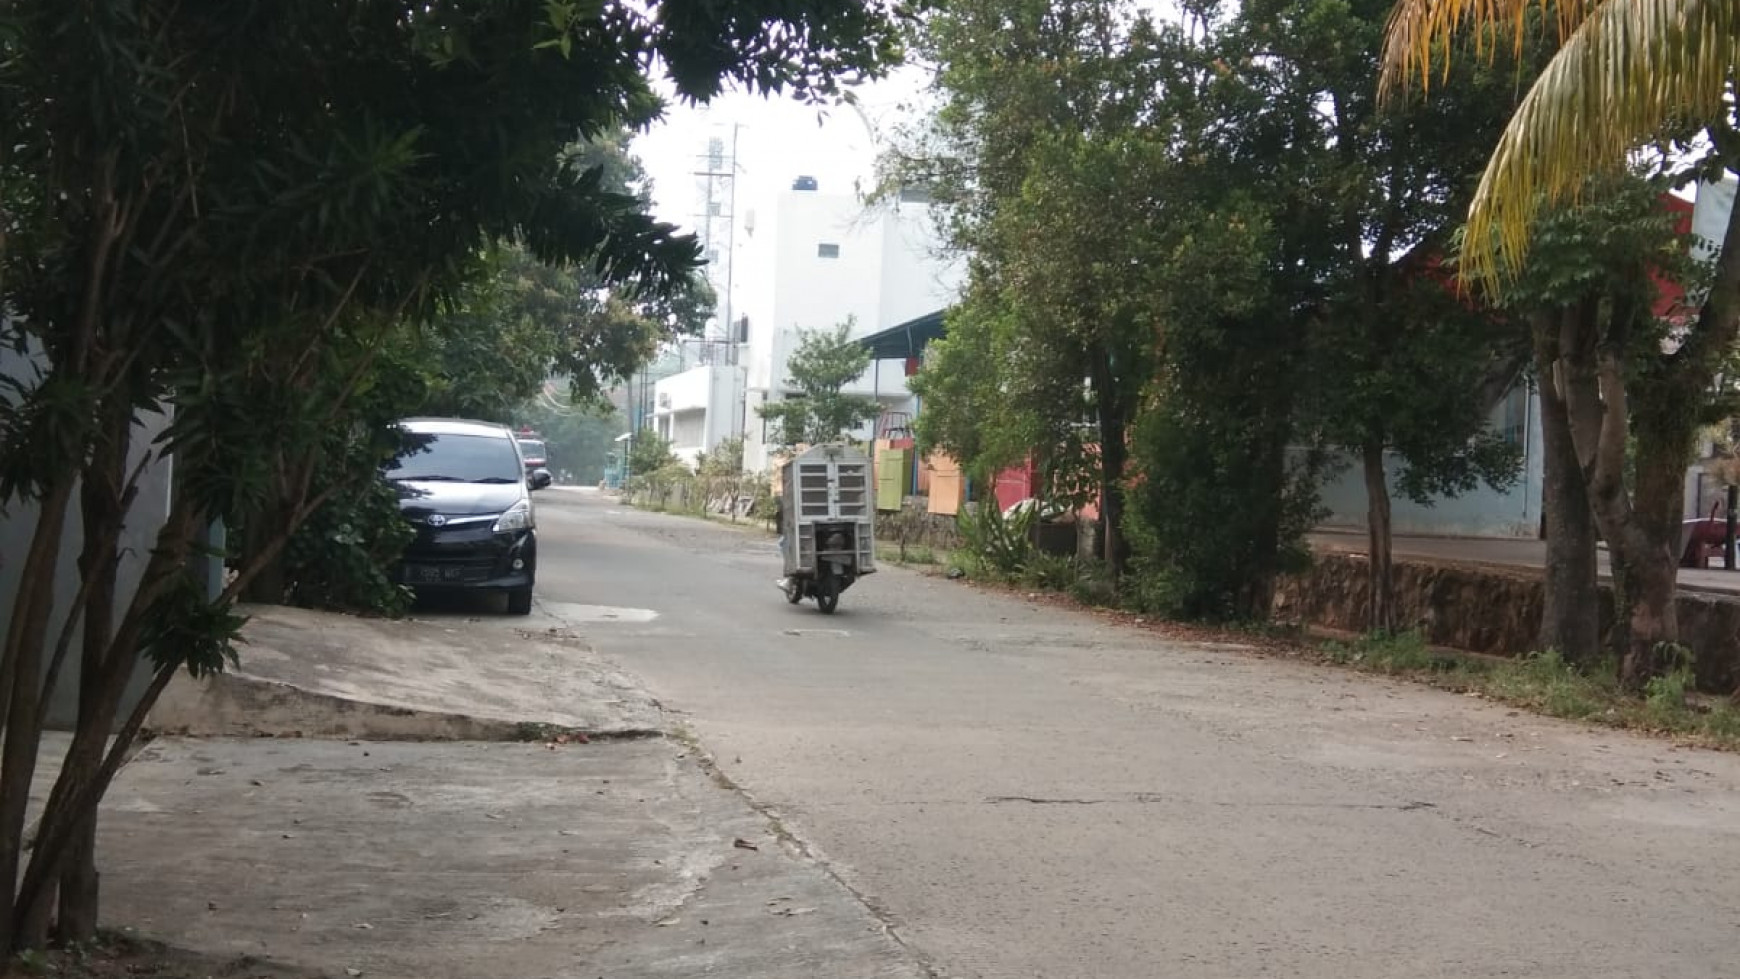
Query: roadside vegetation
1277,294
716,487
1546,683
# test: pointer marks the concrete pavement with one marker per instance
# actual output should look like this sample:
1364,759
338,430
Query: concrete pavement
1021,791
468,860
421,857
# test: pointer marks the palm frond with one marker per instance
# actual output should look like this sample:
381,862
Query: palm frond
1420,30
1622,76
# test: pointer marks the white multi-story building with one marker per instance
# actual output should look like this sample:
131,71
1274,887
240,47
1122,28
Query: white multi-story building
823,259
826,259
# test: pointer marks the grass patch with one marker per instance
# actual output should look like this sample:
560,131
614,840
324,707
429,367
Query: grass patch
1398,654
919,555
1547,684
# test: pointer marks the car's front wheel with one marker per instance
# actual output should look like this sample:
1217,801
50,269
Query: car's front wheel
519,601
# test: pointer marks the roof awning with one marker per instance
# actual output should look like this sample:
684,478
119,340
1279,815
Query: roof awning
905,341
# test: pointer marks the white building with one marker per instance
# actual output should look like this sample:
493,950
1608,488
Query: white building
822,259
699,408
826,258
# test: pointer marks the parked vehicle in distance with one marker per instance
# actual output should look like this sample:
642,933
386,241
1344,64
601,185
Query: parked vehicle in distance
533,450
465,488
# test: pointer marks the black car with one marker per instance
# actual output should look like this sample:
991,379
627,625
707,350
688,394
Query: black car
464,486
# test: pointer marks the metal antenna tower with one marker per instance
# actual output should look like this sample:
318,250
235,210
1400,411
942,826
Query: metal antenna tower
717,189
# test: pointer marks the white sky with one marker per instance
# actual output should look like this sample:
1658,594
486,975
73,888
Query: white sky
779,141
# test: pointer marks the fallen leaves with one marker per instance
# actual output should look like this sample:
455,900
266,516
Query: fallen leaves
572,737
743,844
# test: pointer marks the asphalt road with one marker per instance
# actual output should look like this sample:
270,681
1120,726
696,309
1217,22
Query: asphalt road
1020,791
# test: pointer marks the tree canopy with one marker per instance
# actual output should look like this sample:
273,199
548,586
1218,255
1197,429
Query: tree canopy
825,362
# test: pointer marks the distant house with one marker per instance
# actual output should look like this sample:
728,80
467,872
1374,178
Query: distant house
1516,511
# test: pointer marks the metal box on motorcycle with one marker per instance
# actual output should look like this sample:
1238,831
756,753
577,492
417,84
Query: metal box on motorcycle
826,494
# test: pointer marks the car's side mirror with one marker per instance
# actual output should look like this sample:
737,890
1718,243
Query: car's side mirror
541,479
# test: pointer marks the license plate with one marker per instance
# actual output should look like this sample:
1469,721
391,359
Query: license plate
429,572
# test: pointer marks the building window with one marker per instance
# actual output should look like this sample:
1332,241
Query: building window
827,250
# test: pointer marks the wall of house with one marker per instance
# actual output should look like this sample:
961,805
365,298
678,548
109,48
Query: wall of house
18,525
918,278
698,408
794,287
1484,512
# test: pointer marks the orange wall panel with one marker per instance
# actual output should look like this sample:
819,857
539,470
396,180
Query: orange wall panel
948,485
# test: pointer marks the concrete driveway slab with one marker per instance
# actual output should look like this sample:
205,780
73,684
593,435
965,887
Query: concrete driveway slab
449,676
459,861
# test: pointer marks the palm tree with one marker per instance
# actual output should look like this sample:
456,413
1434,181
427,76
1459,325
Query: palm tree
1625,72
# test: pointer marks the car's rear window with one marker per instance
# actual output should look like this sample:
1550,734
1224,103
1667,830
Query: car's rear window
458,458
533,449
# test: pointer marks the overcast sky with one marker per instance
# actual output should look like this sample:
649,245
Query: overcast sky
778,140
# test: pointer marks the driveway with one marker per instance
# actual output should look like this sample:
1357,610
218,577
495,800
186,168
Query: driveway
1022,791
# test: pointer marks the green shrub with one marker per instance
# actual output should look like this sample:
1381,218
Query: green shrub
1001,546
1094,584
1219,509
1050,572
342,557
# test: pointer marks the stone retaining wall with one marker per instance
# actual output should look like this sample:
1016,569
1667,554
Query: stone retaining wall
1485,609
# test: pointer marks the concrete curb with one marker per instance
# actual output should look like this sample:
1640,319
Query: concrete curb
239,706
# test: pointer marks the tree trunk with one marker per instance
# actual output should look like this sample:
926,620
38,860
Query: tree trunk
1571,597
1380,573
71,808
1665,412
1112,496
105,500
80,901
32,608
1113,453
1664,419
1654,622
1599,406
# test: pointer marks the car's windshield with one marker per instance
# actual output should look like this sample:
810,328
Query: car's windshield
458,459
532,449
